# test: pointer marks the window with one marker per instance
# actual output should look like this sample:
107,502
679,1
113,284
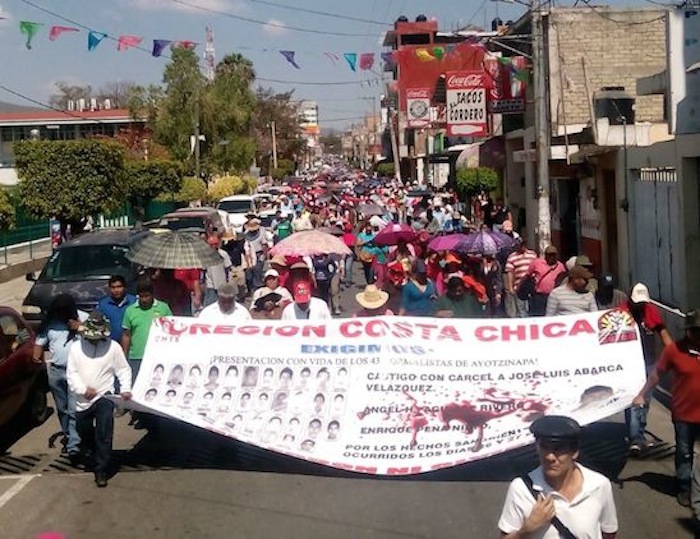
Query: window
86,262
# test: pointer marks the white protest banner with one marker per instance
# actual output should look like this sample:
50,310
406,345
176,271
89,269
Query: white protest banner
418,107
466,103
390,395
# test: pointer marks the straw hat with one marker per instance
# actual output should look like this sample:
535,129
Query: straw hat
372,297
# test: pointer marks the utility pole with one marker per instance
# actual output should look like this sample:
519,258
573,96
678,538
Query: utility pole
391,115
196,135
274,144
539,72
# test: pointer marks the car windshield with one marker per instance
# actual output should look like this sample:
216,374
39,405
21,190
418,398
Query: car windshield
178,223
86,262
236,206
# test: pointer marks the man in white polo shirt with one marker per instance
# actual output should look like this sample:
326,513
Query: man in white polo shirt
226,309
560,498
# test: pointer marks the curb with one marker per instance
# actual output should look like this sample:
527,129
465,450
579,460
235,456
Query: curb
20,269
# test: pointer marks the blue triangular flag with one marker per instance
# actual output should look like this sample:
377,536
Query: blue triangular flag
289,56
94,39
159,45
351,59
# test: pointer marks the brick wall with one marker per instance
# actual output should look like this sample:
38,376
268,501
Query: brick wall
616,54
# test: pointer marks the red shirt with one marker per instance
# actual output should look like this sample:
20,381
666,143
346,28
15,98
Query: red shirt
685,364
188,276
545,275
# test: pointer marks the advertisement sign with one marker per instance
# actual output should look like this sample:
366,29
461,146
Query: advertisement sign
418,107
466,103
390,395
506,94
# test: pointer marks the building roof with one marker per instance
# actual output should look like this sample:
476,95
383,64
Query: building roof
42,117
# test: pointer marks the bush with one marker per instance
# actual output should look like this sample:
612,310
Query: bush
285,167
472,181
226,186
385,169
146,180
192,189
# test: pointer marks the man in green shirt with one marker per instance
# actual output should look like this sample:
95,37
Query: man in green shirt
458,302
137,323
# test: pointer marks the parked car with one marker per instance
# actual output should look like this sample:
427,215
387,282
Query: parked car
237,207
202,219
23,382
81,267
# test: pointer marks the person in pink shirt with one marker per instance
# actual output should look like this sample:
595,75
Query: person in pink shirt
545,271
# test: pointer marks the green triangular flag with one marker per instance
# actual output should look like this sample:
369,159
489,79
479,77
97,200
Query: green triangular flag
29,29
438,52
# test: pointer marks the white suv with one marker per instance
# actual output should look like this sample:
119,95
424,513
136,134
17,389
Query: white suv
237,207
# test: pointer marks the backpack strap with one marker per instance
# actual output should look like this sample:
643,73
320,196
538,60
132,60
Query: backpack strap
564,532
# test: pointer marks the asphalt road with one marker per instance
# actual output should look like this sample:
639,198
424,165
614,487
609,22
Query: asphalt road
189,483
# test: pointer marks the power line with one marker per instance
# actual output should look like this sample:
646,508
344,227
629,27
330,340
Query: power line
47,106
622,23
267,23
317,12
166,56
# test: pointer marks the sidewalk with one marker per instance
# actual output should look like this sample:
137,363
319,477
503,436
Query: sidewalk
17,260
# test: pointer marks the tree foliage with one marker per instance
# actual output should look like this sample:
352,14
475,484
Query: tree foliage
146,180
285,167
191,189
117,92
226,186
472,181
70,179
7,211
385,169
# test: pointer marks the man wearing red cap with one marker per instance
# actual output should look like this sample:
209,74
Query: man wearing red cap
305,307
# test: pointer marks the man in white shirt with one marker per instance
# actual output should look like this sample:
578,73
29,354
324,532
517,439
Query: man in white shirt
572,297
216,276
226,309
560,494
93,363
306,307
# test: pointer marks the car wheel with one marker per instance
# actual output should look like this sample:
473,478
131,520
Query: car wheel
37,405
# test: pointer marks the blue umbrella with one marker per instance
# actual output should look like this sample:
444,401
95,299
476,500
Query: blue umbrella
485,243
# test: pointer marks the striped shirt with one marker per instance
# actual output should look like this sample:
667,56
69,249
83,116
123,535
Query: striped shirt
564,300
518,264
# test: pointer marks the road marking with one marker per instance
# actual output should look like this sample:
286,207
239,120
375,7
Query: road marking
15,489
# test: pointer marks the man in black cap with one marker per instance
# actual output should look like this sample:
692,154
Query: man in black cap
560,498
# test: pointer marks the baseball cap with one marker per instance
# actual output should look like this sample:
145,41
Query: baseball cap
551,250
607,280
302,292
640,294
271,273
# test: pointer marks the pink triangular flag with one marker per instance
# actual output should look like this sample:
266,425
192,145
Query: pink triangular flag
366,60
332,57
58,30
127,42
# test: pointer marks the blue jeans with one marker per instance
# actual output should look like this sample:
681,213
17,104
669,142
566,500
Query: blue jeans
65,406
686,434
96,427
636,420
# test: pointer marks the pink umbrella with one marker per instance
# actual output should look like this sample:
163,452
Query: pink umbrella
310,243
393,234
446,243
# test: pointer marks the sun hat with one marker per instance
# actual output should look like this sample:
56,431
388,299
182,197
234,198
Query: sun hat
583,260
372,297
280,260
274,297
96,327
271,273
253,224
640,294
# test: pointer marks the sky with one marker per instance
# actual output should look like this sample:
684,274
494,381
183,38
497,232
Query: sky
33,73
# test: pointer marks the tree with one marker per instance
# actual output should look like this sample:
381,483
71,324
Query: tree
69,92
285,167
179,107
280,108
226,186
227,110
332,143
118,93
146,180
192,189
70,180
385,169
472,181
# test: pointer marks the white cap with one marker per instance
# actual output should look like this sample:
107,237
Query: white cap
271,273
570,263
640,294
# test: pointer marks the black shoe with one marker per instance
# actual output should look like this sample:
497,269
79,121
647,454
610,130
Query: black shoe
75,457
683,498
101,480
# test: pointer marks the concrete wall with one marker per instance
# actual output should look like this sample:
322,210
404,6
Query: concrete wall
615,54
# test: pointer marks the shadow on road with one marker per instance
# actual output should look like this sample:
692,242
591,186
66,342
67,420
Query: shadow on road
17,429
664,484
177,445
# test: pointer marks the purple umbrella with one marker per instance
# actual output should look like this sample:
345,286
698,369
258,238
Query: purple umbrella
485,243
446,243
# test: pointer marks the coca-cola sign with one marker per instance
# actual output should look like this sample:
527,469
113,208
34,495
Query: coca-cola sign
418,93
464,79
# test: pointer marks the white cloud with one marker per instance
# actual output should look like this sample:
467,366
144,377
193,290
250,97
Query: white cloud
275,27
171,5
5,19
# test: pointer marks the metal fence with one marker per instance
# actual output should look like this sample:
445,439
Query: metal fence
26,242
